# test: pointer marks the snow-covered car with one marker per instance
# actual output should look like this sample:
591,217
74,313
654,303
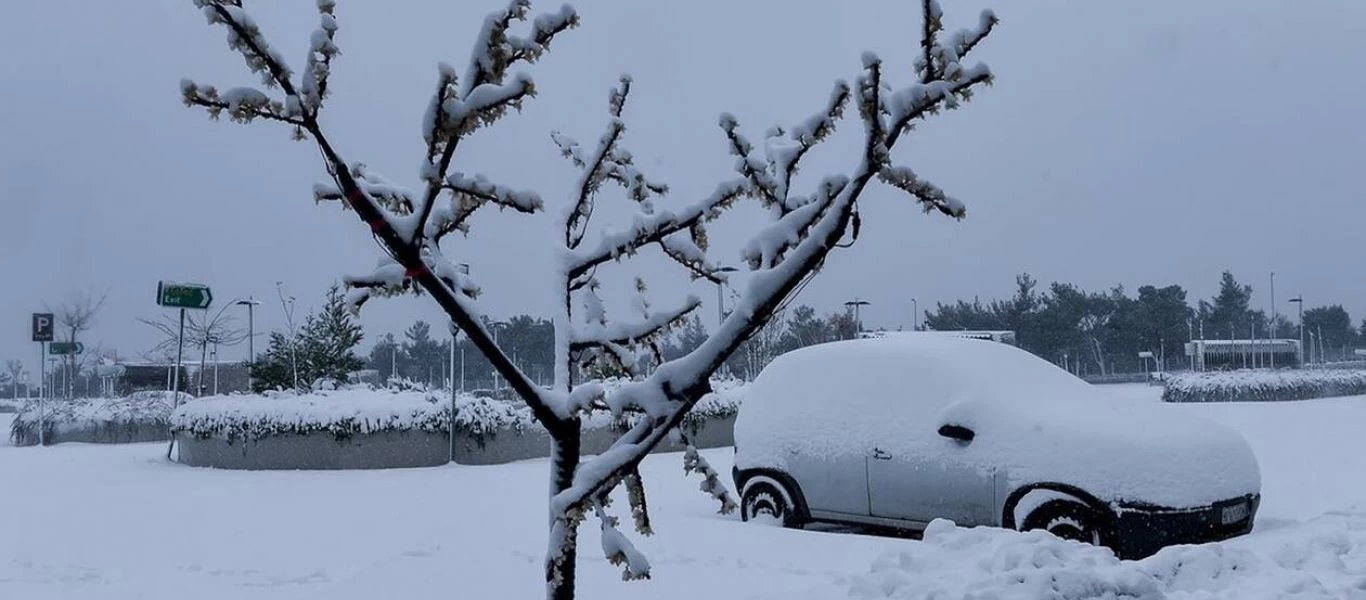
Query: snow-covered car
896,432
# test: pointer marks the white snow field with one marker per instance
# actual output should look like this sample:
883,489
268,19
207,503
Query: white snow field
107,521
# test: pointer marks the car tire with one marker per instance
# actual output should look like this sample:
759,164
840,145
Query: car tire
1068,520
767,498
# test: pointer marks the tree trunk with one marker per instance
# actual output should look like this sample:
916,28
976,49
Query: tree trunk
563,555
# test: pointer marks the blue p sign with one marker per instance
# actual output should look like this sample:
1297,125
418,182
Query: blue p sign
42,327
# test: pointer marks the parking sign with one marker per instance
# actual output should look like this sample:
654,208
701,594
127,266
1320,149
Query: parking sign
42,327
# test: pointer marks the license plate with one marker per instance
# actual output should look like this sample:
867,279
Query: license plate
1235,513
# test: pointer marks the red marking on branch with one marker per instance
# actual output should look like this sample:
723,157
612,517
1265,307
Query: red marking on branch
415,271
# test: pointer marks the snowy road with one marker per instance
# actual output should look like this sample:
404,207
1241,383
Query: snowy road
83,521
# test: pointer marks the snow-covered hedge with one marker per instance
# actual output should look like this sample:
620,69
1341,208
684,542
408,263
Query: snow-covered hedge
358,409
342,413
1263,385
484,417
141,409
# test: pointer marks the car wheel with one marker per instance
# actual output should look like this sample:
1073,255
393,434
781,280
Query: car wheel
1066,519
764,500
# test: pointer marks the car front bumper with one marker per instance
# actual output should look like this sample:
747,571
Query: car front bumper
1142,530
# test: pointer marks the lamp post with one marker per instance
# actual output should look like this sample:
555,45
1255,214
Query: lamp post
720,299
250,303
915,315
856,304
1299,300
1271,335
495,326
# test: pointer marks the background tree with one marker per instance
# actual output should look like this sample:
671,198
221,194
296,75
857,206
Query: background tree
75,317
14,373
423,356
1227,314
1334,326
274,369
804,329
384,357
781,256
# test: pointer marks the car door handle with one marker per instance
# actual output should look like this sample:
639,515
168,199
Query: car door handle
880,455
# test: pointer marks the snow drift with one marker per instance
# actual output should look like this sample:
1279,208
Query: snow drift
1324,558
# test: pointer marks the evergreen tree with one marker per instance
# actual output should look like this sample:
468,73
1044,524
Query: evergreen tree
1333,326
423,356
274,370
384,356
328,341
1228,314
806,329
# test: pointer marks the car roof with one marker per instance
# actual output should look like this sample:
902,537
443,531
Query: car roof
926,372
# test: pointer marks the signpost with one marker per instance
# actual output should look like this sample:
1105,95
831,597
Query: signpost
64,348
42,333
182,296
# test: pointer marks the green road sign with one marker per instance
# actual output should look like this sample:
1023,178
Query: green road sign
62,348
183,295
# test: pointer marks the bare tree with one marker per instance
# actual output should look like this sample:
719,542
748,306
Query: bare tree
411,225
77,316
14,371
202,330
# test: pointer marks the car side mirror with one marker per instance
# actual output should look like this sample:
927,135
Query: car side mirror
957,432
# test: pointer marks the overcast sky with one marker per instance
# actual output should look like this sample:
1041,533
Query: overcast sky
1124,143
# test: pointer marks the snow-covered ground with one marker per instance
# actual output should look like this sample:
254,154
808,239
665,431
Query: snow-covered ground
86,521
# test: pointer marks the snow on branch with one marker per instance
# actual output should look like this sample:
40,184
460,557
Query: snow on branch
495,50
469,194
244,37
930,196
322,48
243,104
635,495
693,462
650,228
785,158
623,333
768,247
620,551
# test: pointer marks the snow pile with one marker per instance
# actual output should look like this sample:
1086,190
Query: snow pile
1033,421
342,413
1321,559
1263,385
141,408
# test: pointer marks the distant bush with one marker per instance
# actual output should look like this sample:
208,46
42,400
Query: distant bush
1263,385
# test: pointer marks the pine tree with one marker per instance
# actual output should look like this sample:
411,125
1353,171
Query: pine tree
329,339
275,369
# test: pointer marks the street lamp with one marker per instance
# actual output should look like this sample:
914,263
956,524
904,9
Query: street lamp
915,315
464,269
495,326
858,320
1299,300
250,303
720,301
